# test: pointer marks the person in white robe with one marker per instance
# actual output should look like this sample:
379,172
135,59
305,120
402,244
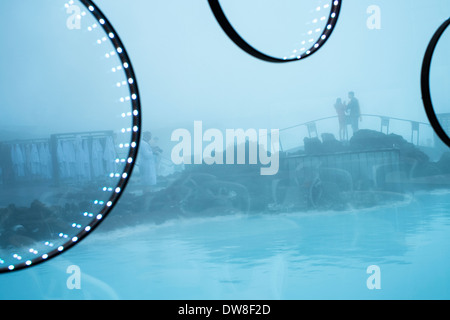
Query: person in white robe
147,163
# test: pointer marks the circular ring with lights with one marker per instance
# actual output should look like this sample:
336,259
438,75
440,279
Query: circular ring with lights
68,156
308,46
425,84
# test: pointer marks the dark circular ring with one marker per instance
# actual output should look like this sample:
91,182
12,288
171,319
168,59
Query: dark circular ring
425,84
130,161
244,45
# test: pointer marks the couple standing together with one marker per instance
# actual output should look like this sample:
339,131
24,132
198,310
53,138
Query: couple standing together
348,113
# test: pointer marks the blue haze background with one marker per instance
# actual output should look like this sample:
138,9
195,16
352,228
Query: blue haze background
189,70
215,82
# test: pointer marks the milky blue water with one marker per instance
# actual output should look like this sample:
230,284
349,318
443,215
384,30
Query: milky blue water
314,255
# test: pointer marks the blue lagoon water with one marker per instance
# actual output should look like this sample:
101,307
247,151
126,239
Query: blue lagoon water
313,255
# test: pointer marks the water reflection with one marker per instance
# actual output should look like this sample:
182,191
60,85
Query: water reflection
379,233
260,256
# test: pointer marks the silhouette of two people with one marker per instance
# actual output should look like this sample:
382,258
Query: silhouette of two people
348,113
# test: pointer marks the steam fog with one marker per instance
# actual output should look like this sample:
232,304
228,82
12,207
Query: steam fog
189,70
67,87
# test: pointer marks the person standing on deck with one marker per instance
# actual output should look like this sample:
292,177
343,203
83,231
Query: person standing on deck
340,110
354,112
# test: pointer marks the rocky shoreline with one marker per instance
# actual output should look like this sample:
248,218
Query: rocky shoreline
220,190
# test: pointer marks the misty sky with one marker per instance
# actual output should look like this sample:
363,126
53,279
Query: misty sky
55,80
189,70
